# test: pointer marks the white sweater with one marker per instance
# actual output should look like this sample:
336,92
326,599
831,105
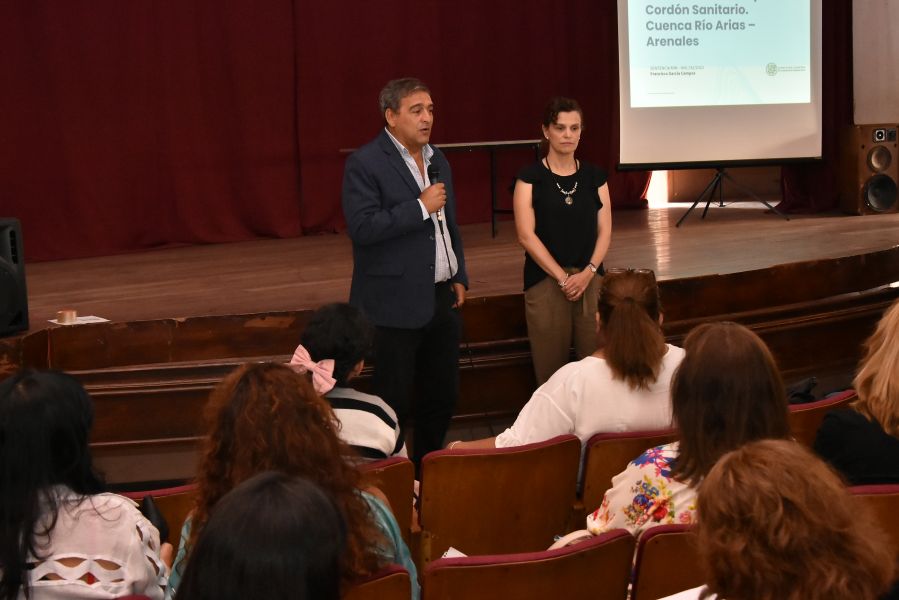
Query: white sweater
584,398
100,547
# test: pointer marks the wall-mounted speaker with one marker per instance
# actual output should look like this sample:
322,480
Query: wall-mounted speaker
869,170
13,296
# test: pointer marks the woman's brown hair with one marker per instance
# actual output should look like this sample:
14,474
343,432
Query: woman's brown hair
877,382
560,104
726,392
556,105
630,335
776,522
266,417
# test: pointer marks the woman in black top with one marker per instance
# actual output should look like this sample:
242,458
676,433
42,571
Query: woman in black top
862,441
564,222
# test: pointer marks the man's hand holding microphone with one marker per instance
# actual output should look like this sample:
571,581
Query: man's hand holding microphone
434,197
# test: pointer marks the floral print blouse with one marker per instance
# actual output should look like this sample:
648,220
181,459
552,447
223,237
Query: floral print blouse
645,495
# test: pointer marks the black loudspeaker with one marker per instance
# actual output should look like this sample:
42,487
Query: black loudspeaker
13,297
869,170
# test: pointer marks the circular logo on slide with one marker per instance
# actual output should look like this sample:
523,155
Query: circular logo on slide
771,69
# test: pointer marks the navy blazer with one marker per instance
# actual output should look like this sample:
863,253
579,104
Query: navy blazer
393,247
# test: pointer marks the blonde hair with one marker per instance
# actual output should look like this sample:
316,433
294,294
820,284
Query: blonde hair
877,382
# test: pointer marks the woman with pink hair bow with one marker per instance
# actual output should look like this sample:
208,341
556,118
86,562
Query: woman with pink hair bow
332,351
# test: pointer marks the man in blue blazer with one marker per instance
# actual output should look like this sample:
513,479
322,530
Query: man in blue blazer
408,264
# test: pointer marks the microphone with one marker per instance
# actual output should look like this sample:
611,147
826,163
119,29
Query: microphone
433,173
433,176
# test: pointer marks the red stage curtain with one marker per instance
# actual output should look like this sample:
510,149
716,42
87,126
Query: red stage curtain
139,124
491,67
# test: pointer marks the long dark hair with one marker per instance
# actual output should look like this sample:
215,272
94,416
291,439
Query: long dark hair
45,420
726,392
273,536
630,336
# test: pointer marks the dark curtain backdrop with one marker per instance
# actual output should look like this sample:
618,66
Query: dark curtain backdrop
138,124
814,187
142,124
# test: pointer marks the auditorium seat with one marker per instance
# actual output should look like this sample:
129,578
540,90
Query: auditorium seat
597,569
497,500
883,501
805,419
667,562
607,455
395,477
390,583
174,503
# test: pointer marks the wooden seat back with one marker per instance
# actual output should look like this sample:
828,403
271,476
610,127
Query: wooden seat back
883,501
597,569
395,477
174,503
667,562
499,500
607,455
391,583
805,419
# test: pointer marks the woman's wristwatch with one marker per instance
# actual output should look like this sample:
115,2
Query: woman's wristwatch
592,267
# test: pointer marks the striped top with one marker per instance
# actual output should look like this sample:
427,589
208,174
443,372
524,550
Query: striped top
367,424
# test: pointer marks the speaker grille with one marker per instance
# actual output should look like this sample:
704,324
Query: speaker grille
879,159
10,314
13,297
880,193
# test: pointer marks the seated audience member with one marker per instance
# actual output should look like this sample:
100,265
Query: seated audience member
862,441
775,523
273,537
333,347
623,386
727,392
266,417
60,535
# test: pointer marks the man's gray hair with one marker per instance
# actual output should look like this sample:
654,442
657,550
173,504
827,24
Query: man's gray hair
394,92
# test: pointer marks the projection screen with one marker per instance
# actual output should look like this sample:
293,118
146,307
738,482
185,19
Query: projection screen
719,83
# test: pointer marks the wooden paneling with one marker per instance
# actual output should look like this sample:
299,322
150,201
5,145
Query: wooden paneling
273,276
778,286
813,288
24,350
163,402
875,61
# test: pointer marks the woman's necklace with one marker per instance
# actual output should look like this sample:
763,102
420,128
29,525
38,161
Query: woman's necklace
566,194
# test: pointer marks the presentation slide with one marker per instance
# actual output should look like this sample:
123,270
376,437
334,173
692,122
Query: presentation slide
716,53
712,83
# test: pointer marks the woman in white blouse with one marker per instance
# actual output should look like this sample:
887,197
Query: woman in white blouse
623,386
60,536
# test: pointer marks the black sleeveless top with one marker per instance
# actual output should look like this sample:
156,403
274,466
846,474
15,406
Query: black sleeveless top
568,231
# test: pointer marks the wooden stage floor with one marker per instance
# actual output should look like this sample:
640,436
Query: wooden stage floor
151,371
302,273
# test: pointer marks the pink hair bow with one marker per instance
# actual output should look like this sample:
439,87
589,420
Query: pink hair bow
322,371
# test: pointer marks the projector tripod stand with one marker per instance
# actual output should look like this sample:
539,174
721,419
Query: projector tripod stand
717,183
